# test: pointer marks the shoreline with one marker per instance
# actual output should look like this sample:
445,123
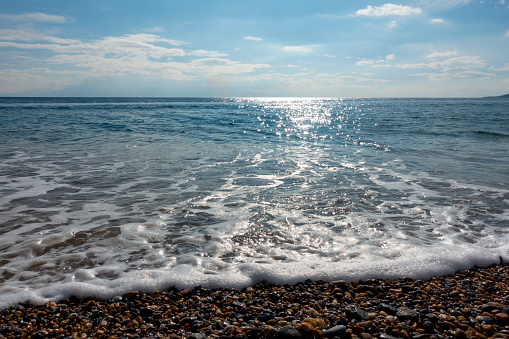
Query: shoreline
467,304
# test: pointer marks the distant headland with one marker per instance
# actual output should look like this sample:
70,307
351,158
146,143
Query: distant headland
505,96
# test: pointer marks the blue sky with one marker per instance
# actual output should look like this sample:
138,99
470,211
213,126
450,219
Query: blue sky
325,48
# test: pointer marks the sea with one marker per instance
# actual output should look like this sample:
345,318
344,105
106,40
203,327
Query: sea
100,196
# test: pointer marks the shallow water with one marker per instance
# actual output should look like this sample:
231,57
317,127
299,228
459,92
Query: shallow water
101,196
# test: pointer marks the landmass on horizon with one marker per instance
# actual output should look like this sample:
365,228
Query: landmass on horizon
505,96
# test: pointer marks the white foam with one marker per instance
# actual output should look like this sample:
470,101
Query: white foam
412,262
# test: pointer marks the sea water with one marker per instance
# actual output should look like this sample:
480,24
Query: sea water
99,196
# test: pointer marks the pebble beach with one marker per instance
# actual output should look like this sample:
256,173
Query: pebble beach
468,304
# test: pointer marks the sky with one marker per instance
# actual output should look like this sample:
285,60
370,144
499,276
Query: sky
245,48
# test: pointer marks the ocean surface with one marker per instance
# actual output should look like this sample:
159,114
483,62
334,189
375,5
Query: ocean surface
99,196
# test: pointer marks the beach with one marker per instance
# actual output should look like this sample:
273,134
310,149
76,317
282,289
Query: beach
467,304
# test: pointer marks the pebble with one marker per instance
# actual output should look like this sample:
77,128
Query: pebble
336,331
404,313
471,304
502,319
288,332
354,312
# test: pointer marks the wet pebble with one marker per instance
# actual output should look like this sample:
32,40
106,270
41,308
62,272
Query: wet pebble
471,304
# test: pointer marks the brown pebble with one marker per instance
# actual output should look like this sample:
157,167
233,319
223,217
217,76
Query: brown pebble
502,319
488,329
129,295
269,331
357,329
307,328
459,334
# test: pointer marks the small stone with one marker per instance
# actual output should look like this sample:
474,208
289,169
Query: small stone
387,309
459,334
502,319
488,329
336,331
312,312
254,333
389,320
307,328
387,336
130,295
146,312
428,326
117,299
492,306
340,283
354,312
454,294
486,319
357,329
316,323
366,324
269,331
266,316
404,313
288,332
470,334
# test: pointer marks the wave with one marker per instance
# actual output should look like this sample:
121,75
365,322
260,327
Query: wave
491,134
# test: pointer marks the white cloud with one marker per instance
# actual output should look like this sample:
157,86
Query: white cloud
390,57
436,21
205,53
218,66
31,36
382,62
483,74
365,62
253,38
459,63
465,62
298,49
452,75
501,69
140,54
136,44
507,34
15,81
39,17
393,24
442,54
388,10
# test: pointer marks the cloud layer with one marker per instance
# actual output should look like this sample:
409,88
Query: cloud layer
388,10
38,17
363,51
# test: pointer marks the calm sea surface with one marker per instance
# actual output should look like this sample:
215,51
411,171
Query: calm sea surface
105,195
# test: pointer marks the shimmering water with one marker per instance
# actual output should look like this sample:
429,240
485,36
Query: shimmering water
101,196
